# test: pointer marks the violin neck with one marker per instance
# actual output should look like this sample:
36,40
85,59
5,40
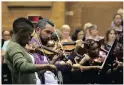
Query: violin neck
46,48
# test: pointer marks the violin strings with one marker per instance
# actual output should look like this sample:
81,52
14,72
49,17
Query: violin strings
60,42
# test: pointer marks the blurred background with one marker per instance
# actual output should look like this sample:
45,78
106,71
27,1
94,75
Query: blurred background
75,14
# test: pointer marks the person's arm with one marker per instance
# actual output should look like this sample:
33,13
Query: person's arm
54,59
84,59
84,68
45,67
21,64
5,45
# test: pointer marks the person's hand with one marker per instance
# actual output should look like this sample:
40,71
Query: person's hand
69,62
76,66
52,67
97,67
76,59
60,53
119,64
62,63
29,47
79,41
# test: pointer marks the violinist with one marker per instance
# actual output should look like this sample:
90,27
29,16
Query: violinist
111,35
93,53
19,61
78,37
82,67
44,29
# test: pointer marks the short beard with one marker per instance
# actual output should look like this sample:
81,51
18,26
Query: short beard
44,42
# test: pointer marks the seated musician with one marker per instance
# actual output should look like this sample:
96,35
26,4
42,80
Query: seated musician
79,67
111,34
75,59
94,54
19,61
78,37
110,37
44,29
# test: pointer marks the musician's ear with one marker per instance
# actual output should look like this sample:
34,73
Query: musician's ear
21,32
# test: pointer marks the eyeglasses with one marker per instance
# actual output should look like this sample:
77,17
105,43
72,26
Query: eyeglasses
6,35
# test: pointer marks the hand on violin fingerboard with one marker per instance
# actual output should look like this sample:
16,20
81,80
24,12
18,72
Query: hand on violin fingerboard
29,47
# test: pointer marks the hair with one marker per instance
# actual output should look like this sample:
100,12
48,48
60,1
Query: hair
4,31
75,34
87,25
90,44
42,23
21,23
65,26
120,10
107,33
92,27
116,15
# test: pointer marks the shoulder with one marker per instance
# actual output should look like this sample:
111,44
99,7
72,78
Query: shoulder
14,48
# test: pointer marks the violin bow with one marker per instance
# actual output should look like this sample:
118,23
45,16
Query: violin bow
60,43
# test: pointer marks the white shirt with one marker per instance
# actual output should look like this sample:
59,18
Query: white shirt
38,82
4,48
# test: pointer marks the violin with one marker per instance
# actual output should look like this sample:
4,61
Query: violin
51,43
40,49
80,49
94,52
68,45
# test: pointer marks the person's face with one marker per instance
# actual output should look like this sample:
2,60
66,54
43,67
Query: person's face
25,37
93,53
94,32
46,33
6,35
112,35
80,35
118,20
66,32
